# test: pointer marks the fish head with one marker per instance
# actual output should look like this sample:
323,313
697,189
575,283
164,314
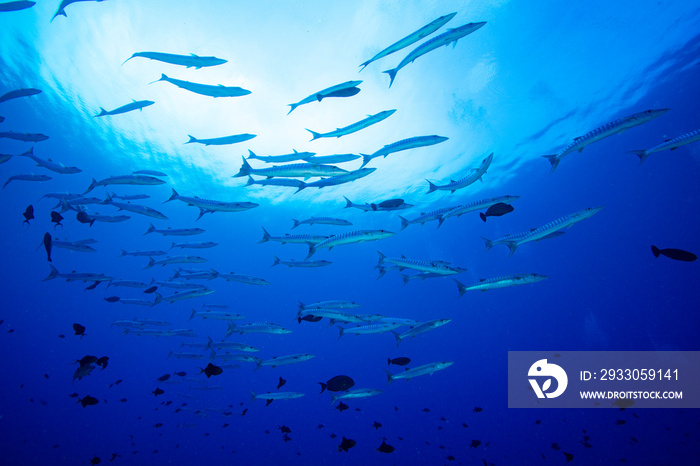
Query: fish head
444,364
647,115
589,212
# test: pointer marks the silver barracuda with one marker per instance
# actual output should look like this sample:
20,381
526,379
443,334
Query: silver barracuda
404,144
136,180
205,89
135,302
222,141
62,7
307,264
336,180
135,105
333,304
426,217
204,245
602,132
196,274
177,285
209,206
175,231
142,253
422,328
290,182
188,294
182,355
72,245
175,260
669,144
501,282
474,175
420,370
30,177
335,158
357,126
403,262
321,221
283,360
235,357
399,320
26,137
230,345
304,170
215,315
276,395
384,206
247,279
127,283
355,394
359,236
318,96
18,93
334,315
109,218
256,327
131,197
446,38
477,205
135,208
368,329
48,164
77,276
287,238
422,276
281,158
411,39
190,61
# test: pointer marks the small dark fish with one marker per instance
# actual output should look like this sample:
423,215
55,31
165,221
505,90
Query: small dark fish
285,429
620,422
443,419
48,244
332,436
79,330
61,336
538,422
123,400
117,382
28,214
267,402
376,425
402,361
347,92
83,217
556,447
114,455
180,374
384,448
497,210
102,362
56,218
160,424
342,407
287,438
87,400
475,444
151,289
309,318
339,383
95,460
675,254
211,369
85,360
451,458
569,456
93,286
112,299
390,204
158,391
281,382
74,395
426,410
464,424
244,411
163,378
358,410
225,425
346,444
477,410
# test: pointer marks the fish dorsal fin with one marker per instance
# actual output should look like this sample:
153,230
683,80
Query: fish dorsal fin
193,55
482,279
295,151
577,138
402,256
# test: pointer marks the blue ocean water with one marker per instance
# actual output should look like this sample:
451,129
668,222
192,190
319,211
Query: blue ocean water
533,78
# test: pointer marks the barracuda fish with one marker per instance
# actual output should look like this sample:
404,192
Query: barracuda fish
473,176
501,282
135,302
175,231
205,89
404,144
185,355
384,206
61,197
77,276
210,206
293,263
16,6
139,180
230,345
135,208
335,158
215,315
353,128
546,231
281,158
426,217
283,360
669,144
275,182
177,285
318,96
477,205
188,294
422,328
305,170
369,329
175,260
205,245
135,105
614,127
48,164
438,267
399,320
224,140
321,221
72,245
188,61
256,327
149,172
354,394
109,218
247,279
235,357
332,314
30,177
142,253
336,180
271,396
359,236
64,3
70,204
131,197
424,275
334,304
26,137
446,38
195,345
196,275
127,283
287,238
17,93
420,370
411,39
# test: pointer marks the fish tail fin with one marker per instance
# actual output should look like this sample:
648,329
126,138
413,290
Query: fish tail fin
201,212
489,243
173,196
642,154
192,315
93,183
296,223
245,169
163,77
512,246
314,134
158,299
389,376
342,331
312,250
656,251
381,258
103,112
151,229
52,274
254,396
431,187
461,287
293,107
123,253
392,75
482,216
266,236
382,271
258,365
192,139
366,158
348,203
398,338
128,59
251,155
554,160
404,223
388,361
301,186
406,279
210,343
323,386
334,398
250,181
277,261
364,65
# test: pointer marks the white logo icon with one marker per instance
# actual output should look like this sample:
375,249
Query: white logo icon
542,369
